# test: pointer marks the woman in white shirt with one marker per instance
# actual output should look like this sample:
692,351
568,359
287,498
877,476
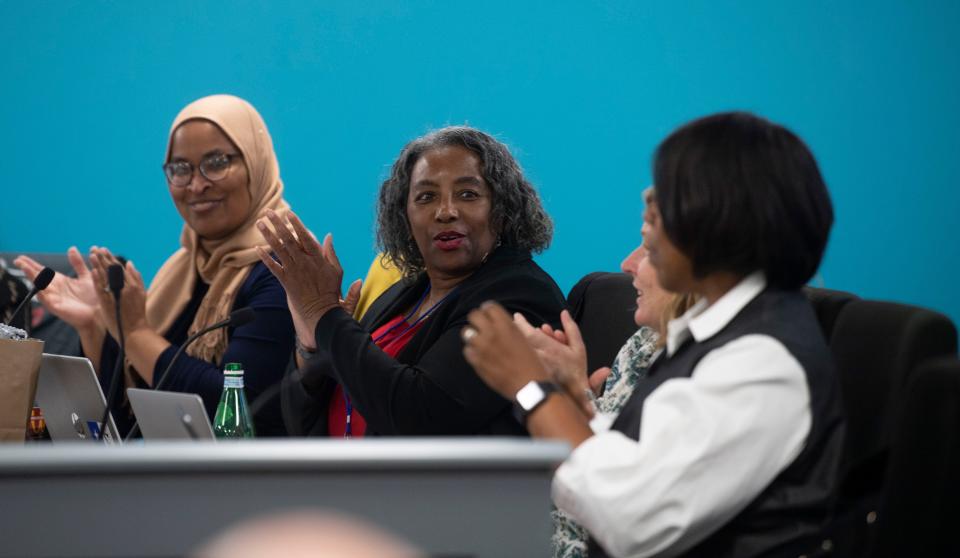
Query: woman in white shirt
730,445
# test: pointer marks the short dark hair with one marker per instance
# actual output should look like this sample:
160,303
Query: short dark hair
516,216
739,193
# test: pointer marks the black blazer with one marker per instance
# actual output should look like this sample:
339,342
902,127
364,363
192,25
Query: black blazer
429,389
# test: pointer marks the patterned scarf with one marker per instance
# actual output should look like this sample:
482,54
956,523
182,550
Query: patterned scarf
570,539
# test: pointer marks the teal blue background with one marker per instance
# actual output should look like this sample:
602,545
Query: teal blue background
581,91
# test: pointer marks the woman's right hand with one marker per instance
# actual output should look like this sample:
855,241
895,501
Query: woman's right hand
72,299
304,334
309,271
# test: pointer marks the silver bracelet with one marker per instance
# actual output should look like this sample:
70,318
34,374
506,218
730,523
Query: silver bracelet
305,353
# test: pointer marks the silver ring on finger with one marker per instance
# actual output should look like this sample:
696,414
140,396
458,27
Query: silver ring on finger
288,252
468,334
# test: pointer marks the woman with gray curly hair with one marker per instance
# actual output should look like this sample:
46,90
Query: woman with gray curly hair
458,218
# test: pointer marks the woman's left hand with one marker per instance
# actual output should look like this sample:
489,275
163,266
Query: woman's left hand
133,297
564,354
498,351
304,331
309,272
562,351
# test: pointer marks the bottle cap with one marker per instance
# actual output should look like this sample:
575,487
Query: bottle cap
233,369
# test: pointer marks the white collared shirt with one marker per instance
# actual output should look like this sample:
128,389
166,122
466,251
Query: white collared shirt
707,446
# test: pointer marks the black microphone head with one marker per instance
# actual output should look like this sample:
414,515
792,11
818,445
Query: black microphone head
115,278
43,278
242,316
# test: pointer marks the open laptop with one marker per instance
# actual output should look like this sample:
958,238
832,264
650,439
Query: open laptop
168,415
71,399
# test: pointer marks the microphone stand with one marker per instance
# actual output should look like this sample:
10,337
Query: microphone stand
115,280
40,282
187,343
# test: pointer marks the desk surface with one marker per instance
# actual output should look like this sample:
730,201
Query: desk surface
453,497
315,455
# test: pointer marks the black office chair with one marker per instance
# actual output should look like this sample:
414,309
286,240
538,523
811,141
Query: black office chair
602,303
58,337
827,305
877,346
55,260
918,513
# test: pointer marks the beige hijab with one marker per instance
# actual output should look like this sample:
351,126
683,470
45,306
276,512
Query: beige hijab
223,264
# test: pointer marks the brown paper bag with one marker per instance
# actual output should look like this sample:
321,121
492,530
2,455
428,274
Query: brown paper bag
19,368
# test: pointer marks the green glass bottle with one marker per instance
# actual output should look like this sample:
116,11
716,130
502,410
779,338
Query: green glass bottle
233,418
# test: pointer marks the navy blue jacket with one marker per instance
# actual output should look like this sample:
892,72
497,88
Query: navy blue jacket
264,348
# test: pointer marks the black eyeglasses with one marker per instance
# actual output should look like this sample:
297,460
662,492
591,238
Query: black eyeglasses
213,167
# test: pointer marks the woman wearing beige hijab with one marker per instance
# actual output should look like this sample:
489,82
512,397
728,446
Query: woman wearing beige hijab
222,174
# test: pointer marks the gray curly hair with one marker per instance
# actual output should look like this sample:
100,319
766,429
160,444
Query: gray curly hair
517,216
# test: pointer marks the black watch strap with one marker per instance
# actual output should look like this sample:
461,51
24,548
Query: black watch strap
530,397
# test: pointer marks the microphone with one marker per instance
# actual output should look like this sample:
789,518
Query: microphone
115,279
237,318
115,284
42,281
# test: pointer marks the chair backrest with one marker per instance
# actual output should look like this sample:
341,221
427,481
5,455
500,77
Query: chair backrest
877,345
602,303
827,304
917,517
58,337
56,260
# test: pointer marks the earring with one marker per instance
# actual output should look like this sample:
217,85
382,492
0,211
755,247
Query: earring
495,246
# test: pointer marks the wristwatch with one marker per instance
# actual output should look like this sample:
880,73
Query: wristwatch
530,397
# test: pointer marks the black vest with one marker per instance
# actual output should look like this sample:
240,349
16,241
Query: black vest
790,512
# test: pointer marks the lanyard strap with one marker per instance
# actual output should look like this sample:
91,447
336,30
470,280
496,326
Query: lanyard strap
408,316
348,430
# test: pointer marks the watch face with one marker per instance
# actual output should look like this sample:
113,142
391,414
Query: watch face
529,395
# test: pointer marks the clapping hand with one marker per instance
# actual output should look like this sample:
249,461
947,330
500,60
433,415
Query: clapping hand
133,299
310,272
564,354
72,299
496,350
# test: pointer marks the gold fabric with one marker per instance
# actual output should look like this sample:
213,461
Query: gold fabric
380,277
